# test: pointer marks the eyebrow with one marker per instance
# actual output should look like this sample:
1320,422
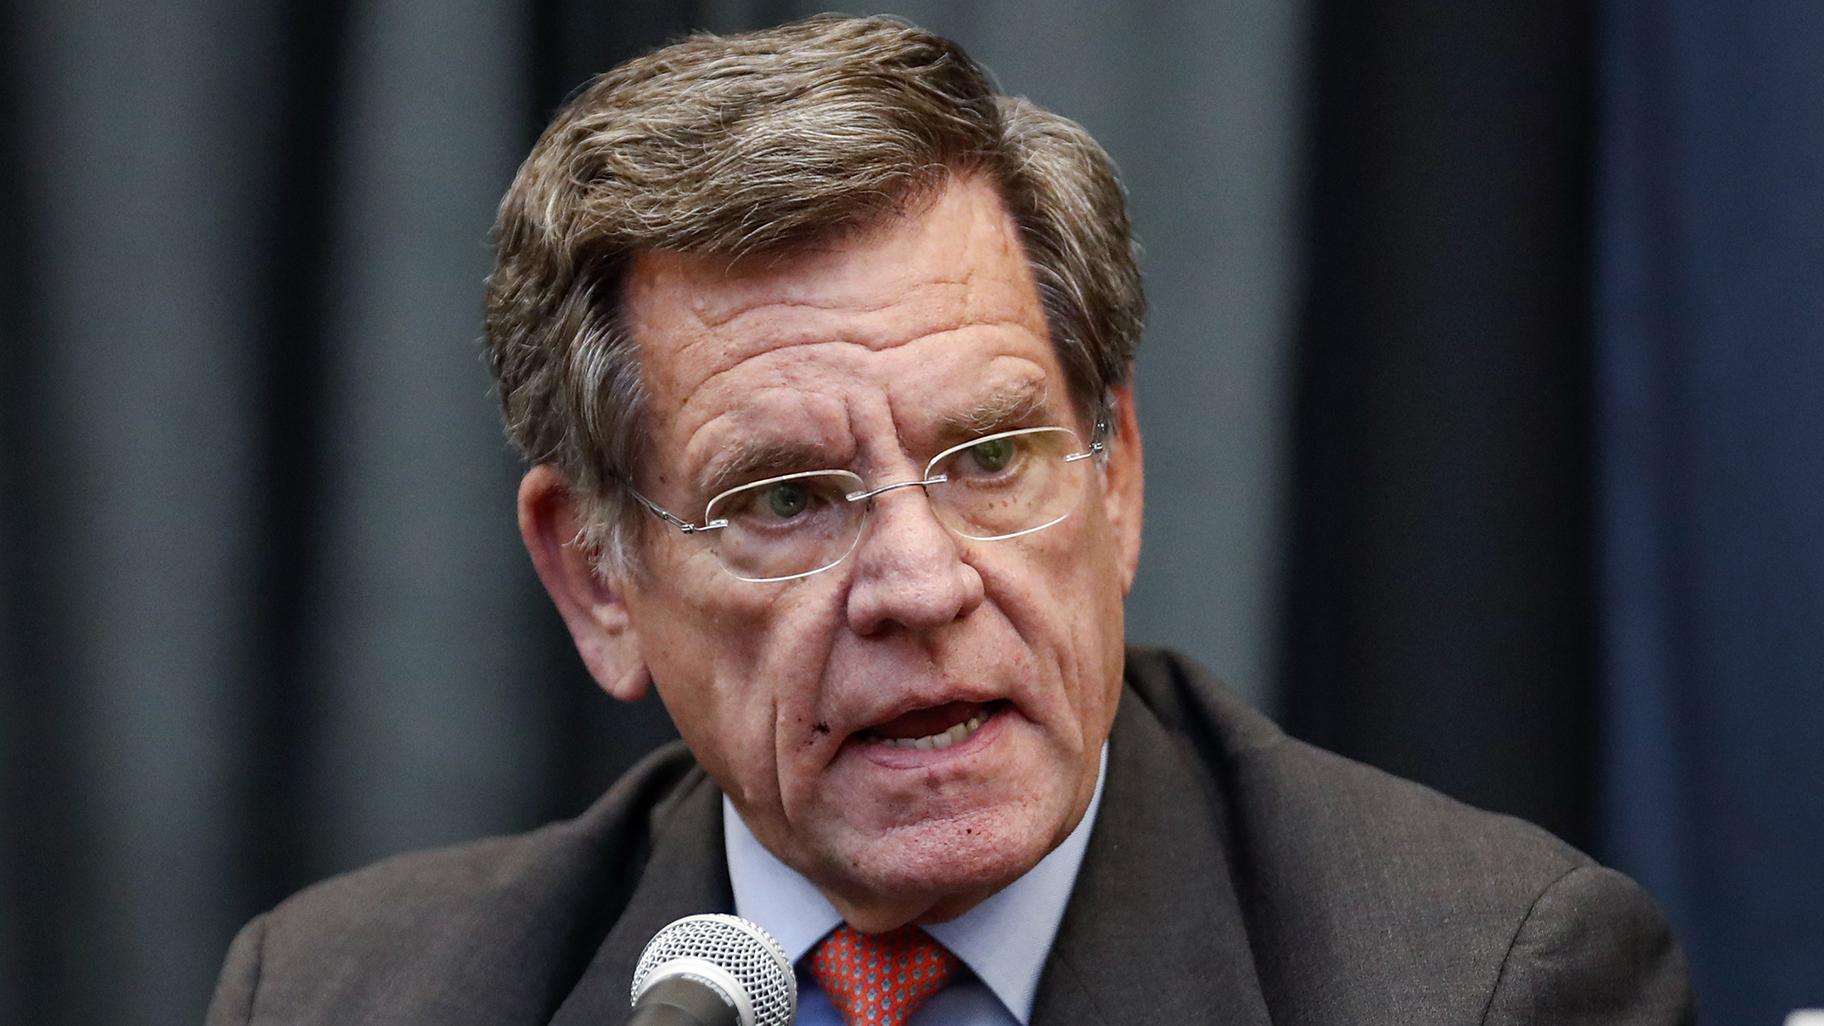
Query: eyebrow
999,411
751,459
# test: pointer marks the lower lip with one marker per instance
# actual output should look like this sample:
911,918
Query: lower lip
895,757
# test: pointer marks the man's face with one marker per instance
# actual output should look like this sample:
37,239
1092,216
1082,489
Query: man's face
872,354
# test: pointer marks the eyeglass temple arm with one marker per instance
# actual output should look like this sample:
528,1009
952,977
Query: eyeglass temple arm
678,522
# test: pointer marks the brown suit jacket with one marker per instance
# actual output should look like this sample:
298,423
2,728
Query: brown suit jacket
1235,876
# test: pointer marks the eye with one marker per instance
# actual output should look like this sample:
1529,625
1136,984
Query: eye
993,455
786,499
793,503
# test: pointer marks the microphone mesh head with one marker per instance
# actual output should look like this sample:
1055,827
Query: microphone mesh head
743,949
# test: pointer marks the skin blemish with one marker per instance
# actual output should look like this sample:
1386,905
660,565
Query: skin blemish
822,728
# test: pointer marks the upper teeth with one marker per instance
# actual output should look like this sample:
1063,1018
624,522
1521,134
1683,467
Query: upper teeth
942,740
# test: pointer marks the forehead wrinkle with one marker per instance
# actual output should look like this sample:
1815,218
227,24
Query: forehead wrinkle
709,345
798,349
842,350
738,311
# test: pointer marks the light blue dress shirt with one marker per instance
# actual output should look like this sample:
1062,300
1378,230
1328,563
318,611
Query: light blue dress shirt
1003,941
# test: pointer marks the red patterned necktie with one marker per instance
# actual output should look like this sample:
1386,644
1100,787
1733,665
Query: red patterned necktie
880,979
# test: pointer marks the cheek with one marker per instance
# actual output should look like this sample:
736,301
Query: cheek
740,678
1060,595
1084,599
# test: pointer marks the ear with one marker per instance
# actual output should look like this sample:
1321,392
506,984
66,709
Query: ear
1124,482
593,606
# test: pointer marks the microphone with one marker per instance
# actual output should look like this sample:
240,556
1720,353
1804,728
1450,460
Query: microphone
713,970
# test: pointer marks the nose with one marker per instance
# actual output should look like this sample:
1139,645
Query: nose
909,572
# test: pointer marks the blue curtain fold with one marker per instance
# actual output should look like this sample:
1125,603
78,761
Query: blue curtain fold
1709,352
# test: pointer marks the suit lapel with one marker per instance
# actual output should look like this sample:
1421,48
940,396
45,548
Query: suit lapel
685,874
1153,931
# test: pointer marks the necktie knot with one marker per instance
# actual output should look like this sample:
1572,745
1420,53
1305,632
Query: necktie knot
880,979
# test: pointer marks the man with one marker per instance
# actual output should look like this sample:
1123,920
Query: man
819,350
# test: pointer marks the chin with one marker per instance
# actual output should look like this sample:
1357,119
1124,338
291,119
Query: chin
940,868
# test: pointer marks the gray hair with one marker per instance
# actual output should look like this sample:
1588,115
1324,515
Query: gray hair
754,143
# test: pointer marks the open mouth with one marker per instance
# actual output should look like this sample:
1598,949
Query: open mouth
937,727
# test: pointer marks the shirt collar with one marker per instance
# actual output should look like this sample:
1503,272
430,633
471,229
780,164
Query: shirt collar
1003,940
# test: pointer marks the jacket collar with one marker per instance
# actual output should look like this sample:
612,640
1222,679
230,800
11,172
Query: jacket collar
684,874
1154,931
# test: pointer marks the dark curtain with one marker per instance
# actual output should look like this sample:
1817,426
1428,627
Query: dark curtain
1439,617
1559,467
263,616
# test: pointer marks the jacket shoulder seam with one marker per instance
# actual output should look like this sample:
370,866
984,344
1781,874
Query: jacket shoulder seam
1514,941
259,966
